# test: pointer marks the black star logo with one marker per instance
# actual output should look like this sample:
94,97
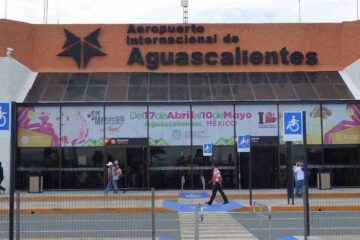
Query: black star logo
81,50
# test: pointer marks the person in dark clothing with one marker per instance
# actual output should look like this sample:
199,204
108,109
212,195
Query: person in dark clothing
2,178
216,181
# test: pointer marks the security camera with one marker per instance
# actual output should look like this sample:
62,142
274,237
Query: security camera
9,52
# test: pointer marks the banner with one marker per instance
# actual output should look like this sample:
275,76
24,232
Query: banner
213,124
38,126
313,121
125,122
82,126
169,125
256,120
341,123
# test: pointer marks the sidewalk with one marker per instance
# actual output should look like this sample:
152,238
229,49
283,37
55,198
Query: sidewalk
346,199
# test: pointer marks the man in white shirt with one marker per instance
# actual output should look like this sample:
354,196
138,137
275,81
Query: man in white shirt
216,181
299,178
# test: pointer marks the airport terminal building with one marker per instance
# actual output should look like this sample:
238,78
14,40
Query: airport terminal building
150,96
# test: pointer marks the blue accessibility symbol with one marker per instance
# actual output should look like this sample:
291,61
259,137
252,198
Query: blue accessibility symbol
293,123
4,116
207,149
243,143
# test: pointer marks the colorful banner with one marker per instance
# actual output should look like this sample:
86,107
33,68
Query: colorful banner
213,124
341,123
125,122
313,122
256,120
38,127
169,125
82,126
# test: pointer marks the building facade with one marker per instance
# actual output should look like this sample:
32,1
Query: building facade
151,95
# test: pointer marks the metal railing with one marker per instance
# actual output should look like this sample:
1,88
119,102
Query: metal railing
85,214
199,217
264,213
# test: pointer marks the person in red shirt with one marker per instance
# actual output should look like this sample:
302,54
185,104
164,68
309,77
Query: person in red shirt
216,182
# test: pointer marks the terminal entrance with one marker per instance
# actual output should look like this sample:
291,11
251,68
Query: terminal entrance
264,167
132,162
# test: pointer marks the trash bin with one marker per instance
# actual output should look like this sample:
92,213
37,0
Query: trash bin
323,180
36,183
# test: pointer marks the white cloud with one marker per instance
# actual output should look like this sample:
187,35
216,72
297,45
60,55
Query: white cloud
169,11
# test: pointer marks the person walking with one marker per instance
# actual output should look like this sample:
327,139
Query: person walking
110,172
216,182
2,178
116,175
299,177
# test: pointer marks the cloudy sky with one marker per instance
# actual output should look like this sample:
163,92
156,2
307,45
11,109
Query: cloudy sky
169,11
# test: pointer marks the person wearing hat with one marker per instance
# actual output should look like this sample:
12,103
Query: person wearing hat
110,171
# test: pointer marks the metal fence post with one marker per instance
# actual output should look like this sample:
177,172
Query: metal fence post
197,222
13,138
153,225
17,221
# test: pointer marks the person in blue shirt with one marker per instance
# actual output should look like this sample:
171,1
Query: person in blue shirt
2,178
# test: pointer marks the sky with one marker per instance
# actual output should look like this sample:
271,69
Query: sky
170,11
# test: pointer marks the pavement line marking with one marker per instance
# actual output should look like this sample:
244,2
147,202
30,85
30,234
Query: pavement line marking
88,210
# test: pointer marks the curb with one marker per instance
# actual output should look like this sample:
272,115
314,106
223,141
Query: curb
174,197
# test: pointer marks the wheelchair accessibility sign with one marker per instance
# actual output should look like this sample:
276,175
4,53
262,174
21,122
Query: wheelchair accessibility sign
293,126
207,150
4,116
243,143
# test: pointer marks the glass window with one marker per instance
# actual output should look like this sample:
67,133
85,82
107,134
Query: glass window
198,78
99,78
82,157
238,78
118,79
34,94
218,78
326,92
298,78
170,156
95,93
116,93
79,79
82,180
139,79
284,92
179,86
179,92
39,157
74,93
179,78
41,80
334,77
50,179
305,92
58,79
53,93
221,92
318,78
159,92
315,156
137,93
170,179
278,78
263,92
159,78
344,92
258,78
341,156
200,92
242,92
